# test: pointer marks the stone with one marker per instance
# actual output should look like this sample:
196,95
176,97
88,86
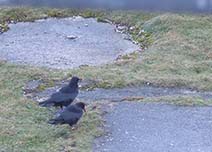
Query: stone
71,37
132,28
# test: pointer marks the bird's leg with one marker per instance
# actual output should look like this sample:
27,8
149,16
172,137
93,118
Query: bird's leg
61,107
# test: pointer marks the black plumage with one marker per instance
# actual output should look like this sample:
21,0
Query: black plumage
64,96
70,115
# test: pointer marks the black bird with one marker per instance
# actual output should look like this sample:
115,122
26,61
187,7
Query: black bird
70,115
64,96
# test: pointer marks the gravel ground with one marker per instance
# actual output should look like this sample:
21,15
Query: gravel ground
63,43
151,127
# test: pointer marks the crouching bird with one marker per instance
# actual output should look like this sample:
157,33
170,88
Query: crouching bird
64,96
70,115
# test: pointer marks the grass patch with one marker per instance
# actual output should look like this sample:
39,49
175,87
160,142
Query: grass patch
181,100
177,100
178,54
179,57
24,124
178,46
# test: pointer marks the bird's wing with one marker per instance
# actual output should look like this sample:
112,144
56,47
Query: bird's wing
71,117
58,120
69,89
61,97
64,89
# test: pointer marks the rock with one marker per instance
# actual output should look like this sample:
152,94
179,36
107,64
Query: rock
71,37
78,17
134,42
132,28
121,29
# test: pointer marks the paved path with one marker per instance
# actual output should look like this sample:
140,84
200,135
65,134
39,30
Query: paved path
150,127
45,43
118,94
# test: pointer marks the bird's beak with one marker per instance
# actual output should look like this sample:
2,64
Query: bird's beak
84,110
80,79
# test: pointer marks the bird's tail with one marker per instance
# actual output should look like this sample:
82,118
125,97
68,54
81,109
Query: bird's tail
46,103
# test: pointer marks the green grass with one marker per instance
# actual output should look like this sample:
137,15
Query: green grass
175,99
181,56
24,124
178,54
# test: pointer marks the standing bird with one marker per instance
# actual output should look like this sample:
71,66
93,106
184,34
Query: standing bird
70,115
64,96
